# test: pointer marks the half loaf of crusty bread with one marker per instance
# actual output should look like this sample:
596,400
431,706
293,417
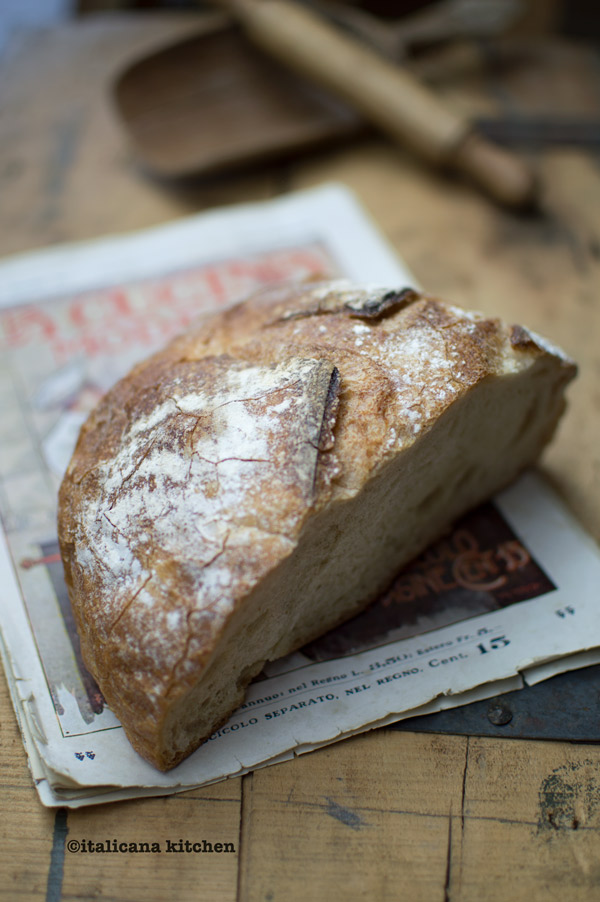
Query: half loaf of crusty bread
266,476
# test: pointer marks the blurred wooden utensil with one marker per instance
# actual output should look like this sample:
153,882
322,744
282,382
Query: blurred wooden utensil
386,94
430,25
212,102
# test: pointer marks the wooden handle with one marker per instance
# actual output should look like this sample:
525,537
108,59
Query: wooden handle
501,174
385,93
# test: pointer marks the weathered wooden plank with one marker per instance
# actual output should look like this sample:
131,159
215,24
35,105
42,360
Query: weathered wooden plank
531,826
369,818
66,171
26,828
192,840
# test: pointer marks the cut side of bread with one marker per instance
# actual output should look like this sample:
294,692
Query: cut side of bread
266,476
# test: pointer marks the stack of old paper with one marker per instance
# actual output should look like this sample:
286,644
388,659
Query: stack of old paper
508,597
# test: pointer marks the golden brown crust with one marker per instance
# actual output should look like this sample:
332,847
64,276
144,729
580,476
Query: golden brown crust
196,474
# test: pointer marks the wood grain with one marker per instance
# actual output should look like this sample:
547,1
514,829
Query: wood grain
203,818
353,821
26,828
65,169
387,815
531,821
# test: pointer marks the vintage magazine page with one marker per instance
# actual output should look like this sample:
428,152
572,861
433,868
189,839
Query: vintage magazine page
508,595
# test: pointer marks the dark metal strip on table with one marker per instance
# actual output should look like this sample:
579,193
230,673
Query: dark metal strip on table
566,707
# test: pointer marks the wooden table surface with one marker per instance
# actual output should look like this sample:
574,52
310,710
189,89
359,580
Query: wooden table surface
387,815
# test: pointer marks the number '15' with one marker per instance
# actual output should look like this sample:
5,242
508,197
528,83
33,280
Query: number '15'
492,644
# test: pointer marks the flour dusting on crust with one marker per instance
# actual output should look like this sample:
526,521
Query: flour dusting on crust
192,481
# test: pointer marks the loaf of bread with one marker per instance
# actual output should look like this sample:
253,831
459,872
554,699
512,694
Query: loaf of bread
265,477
